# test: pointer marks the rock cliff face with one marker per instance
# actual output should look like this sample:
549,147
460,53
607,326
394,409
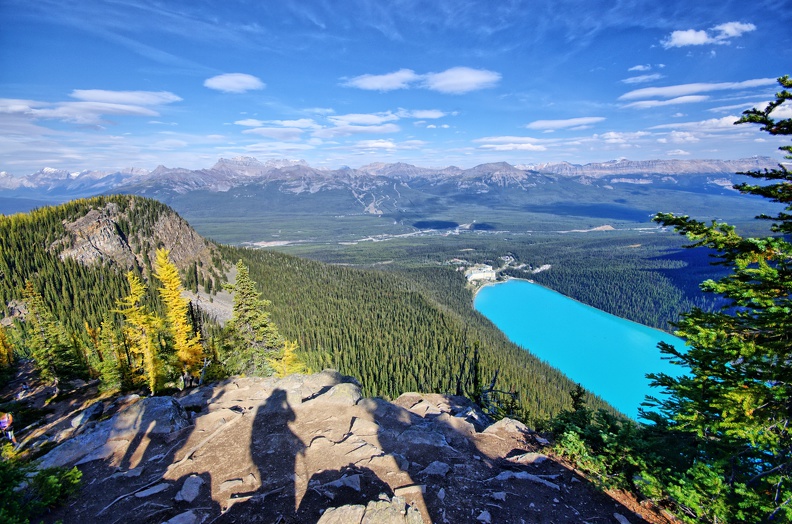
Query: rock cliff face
311,449
95,238
100,236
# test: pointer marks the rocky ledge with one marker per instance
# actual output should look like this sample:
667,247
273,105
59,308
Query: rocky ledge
310,449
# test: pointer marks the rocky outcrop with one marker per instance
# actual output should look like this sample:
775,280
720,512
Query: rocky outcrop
94,238
99,238
311,449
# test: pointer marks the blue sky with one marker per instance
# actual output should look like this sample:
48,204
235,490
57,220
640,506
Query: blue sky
106,84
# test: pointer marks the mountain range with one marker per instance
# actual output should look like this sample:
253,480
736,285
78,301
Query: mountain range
298,177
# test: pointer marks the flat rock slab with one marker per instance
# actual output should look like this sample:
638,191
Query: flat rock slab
153,490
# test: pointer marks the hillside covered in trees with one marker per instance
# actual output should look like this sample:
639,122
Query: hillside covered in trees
387,329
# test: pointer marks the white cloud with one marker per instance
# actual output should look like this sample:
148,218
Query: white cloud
713,124
678,152
88,112
689,89
348,130
642,79
718,35
302,123
513,147
376,144
733,29
250,122
640,67
277,147
364,119
320,110
613,137
686,38
94,104
647,104
566,123
400,79
460,80
510,143
679,137
456,80
421,113
783,111
169,144
234,83
137,98
278,133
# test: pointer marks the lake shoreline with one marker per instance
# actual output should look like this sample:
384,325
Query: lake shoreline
610,356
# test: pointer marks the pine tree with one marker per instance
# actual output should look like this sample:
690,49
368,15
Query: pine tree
54,352
251,337
188,345
734,404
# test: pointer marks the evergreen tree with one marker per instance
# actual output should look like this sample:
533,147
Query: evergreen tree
54,352
187,344
251,337
733,407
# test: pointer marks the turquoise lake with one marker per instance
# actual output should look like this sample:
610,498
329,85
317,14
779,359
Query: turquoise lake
608,355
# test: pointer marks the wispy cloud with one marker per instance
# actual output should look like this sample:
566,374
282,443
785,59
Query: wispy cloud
349,130
389,145
456,80
302,123
401,79
574,123
711,124
613,137
234,83
690,89
140,98
718,35
510,143
640,79
277,133
93,105
648,104
365,119
679,137
428,114
640,67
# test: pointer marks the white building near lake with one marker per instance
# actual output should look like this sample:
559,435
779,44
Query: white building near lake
480,272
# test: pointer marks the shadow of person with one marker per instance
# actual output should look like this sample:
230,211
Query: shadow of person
348,485
274,449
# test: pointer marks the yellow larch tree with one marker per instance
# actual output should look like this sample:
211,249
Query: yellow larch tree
188,345
6,349
287,362
140,330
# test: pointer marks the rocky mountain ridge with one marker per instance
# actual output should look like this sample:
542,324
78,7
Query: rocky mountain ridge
309,449
298,177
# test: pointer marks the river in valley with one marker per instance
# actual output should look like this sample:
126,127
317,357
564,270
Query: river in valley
608,355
